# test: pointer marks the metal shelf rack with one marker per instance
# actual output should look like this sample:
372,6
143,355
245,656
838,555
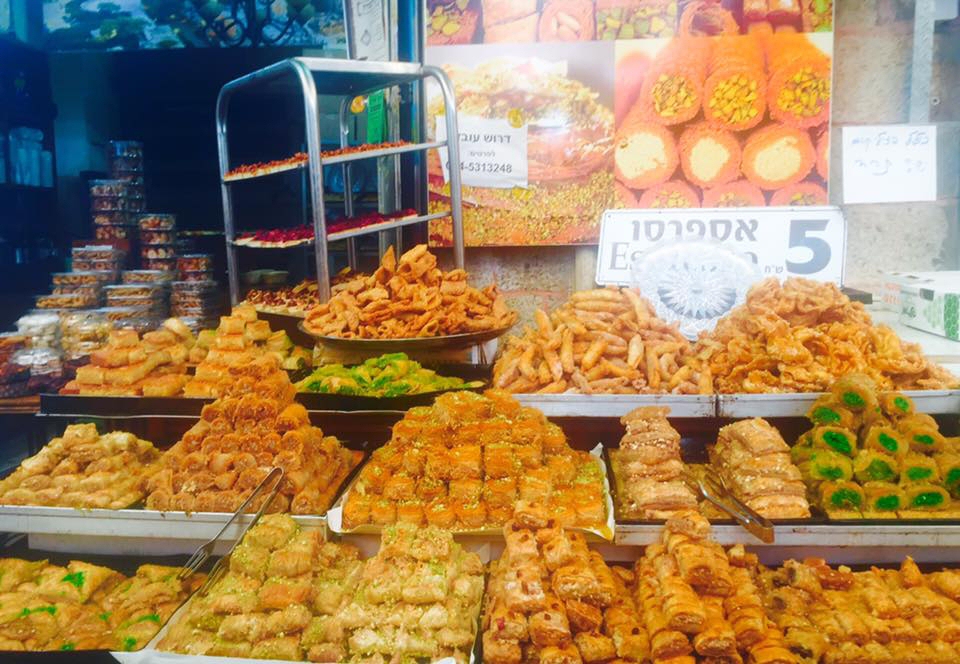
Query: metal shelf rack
345,79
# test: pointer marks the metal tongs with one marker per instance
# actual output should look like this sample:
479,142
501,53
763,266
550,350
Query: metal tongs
712,488
205,551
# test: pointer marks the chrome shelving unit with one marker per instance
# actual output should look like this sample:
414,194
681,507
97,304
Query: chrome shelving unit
345,79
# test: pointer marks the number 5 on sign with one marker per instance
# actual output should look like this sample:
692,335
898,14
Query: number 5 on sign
781,242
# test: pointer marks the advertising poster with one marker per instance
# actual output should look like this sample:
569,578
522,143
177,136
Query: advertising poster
626,104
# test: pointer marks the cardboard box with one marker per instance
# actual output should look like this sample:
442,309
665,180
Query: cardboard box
930,301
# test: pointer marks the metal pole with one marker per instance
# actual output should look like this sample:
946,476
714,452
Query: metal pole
453,156
315,172
347,179
233,278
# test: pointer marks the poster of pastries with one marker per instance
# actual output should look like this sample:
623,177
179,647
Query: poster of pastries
598,104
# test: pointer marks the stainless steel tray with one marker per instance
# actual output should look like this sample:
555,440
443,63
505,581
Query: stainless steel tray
888,535
796,405
128,523
617,405
409,345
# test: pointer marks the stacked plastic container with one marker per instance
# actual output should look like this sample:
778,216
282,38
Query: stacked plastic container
115,202
43,359
109,201
13,376
195,297
158,237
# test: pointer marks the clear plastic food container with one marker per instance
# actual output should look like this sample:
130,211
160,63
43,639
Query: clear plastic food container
154,221
195,263
108,188
135,202
76,278
205,275
77,326
113,218
39,360
136,301
121,314
96,252
65,301
39,323
165,238
147,277
155,251
89,290
156,292
165,264
109,204
201,287
118,232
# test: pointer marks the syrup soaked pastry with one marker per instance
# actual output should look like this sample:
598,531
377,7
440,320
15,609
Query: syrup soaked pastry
648,469
279,600
551,599
240,437
86,607
754,462
83,469
470,461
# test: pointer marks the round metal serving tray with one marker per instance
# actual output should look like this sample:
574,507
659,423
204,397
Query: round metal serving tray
414,344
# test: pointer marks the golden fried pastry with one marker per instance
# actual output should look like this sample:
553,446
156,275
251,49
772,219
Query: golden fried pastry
472,460
754,462
254,427
127,366
550,599
280,599
801,335
647,467
607,340
835,615
83,469
409,297
86,607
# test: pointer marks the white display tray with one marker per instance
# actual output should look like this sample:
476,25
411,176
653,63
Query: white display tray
796,405
129,523
618,405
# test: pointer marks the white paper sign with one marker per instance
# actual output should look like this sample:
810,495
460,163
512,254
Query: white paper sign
780,241
889,163
367,30
493,153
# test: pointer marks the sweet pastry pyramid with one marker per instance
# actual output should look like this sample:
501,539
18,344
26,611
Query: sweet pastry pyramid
648,469
233,344
754,462
254,427
83,469
468,460
128,366
279,599
550,599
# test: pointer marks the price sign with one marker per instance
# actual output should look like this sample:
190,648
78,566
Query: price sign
889,163
780,242
366,30
696,265
493,153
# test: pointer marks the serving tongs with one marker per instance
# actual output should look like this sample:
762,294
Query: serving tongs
712,488
205,551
